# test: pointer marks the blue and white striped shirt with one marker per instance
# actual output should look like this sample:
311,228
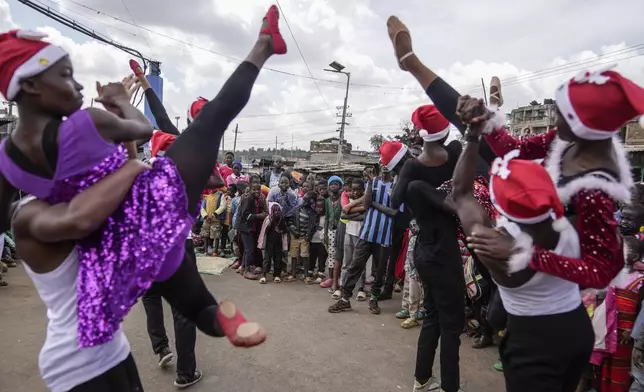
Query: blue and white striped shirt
377,225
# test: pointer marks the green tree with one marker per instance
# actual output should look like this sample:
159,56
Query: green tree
376,141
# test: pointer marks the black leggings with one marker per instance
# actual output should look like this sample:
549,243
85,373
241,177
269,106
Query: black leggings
195,153
123,377
445,98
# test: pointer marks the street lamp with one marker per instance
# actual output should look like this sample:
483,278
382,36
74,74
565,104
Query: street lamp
338,68
177,118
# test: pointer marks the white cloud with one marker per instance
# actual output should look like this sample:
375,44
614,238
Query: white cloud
463,41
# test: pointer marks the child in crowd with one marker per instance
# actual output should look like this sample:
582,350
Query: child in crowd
412,302
228,198
286,198
317,250
273,239
301,225
340,234
323,190
354,213
242,188
252,212
333,210
213,214
236,175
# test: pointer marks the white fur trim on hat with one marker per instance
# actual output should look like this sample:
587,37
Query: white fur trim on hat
619,190
561,224
562,97
524,251
434,137
38,63
396,158
641,121
497,121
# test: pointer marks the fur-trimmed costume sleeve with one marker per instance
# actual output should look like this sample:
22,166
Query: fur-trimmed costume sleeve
530,147
602,255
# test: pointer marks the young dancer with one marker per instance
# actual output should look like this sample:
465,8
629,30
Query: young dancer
549,337
273,239
47,238
39,77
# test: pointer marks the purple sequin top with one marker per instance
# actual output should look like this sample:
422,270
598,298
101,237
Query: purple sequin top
142,242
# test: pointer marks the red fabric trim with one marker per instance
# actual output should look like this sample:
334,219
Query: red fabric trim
400,260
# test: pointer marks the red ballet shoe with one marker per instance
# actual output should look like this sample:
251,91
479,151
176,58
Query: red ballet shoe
273,29
136,68
240,332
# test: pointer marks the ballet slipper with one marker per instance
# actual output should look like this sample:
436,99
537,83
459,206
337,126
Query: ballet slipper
271,27
136,68
394,28
239,332
495,92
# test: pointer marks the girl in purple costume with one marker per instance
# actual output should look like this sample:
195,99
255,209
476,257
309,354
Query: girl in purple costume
142,242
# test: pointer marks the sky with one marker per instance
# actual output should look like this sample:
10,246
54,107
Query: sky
531,46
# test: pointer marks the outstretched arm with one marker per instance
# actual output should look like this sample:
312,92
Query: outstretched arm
158,110
530,147
85,213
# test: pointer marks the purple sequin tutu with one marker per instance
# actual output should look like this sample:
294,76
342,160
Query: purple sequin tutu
142,241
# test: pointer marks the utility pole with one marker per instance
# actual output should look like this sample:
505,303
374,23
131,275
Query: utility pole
235,142
291,146
275,144
484,91
338,68
177,119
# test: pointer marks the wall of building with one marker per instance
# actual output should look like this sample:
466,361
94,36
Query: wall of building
531,120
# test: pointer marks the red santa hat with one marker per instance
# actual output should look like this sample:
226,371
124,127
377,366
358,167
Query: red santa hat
23,55
391,152
160,141
431,123
597,104
523,192
196,107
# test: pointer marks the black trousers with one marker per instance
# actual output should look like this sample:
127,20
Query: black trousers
443,287
361,254
273,254
339,243
185,332
546,353
318,255
194,153
123,377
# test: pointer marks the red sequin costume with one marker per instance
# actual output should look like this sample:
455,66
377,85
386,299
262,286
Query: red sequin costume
593,198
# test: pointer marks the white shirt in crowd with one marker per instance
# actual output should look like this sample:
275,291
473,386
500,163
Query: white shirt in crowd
318,236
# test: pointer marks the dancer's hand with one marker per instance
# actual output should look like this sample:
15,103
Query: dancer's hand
131,84
136,166
491,244
472,110
112,94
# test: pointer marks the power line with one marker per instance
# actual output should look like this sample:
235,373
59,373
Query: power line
227,57
302,55
132,17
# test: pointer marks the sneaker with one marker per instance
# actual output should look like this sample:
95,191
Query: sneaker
236,264
410,323
397,288
327,284
318,280
290,279
403,314
240,269
258,270
498,366
482,342
431,385
374,308
277,279
309,280
262,280
421,314
165,356
341,306
336,294
362,296
184,382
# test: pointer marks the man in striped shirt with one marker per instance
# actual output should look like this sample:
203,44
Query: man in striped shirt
375,241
